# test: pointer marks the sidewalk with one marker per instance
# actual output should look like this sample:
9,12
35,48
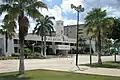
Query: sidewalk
60,64
88,70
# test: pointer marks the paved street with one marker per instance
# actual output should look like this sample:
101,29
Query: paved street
62,64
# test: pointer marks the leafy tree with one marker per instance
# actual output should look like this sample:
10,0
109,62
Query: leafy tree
16,11
97,23
115,30
44,27
115,34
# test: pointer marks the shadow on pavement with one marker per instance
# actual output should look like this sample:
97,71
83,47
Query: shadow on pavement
78,69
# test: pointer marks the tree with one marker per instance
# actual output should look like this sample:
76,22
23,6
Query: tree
16,10
97,23
115,30
8,29
115,34
44,26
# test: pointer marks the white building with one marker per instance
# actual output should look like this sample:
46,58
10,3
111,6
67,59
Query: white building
57,43
59,28
65,40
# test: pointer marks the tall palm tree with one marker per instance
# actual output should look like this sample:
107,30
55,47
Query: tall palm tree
8,29
91,35
98,23
44,25
16,10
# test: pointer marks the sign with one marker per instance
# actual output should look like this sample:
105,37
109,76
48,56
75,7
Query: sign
63,47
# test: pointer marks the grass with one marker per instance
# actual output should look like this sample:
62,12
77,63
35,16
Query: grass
108,64
53,75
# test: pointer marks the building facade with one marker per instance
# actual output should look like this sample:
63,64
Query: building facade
71,32
57,43
63,41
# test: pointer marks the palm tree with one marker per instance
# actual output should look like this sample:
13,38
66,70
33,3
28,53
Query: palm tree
16,10
44,25
98,23
91,35
8,29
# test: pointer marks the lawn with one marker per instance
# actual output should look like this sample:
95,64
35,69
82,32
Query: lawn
108,64
53,75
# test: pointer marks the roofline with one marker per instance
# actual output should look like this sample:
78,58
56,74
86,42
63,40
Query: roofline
72,25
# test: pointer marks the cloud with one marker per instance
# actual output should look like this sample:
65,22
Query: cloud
112,6
55,11
66,5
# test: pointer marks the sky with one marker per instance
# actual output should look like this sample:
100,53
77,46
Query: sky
61,9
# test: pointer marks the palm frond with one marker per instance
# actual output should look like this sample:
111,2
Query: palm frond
4,8
33,12
39,4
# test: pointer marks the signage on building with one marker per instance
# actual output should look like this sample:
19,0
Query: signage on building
63,47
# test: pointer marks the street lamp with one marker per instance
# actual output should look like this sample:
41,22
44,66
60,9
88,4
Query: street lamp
78,9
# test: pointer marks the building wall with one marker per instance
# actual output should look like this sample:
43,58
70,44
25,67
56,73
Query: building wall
1,46
59,27
71,32
13,45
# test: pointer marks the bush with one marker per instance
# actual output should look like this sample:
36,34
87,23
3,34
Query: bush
27,52
7,58
36,56
15,55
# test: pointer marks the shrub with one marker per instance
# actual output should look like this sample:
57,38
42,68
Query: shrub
27,52
15,55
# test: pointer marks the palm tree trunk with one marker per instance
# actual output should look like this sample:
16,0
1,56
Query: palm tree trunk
21,66
99,49
6,38
44,46
90,54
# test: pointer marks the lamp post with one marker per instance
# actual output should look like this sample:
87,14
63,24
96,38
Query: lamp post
78,9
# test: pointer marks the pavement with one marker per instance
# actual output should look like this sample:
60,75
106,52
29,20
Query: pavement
61,64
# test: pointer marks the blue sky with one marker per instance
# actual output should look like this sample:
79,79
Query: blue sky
61,9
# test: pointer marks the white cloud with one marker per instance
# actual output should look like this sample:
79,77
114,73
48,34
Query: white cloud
55,11
66,5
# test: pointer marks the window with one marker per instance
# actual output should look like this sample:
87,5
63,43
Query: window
71,44
57,23
58,43
15,41
49,43
16,49
66,43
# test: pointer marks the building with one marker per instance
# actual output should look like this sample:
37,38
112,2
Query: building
63,41
59,27
58,43
71,32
